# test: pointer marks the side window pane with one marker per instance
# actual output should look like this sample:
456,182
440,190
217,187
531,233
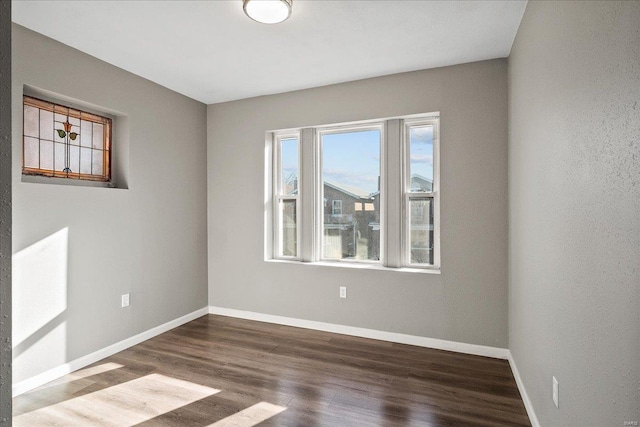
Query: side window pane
421,158
351,180
289,164
289,228
421,230
287,190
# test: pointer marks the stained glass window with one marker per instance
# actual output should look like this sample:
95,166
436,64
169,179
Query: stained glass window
65,142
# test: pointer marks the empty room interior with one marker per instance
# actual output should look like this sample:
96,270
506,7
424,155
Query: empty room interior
320,213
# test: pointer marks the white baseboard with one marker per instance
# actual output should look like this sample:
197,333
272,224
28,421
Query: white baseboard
74,365
523,393
478,350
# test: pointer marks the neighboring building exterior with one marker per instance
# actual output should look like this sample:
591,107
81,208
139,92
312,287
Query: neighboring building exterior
348,215
351,219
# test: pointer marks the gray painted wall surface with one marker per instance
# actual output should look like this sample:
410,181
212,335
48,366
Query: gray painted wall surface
574,204
148,240
5,213
467,302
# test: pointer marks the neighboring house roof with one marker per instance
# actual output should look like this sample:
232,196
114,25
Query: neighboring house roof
414,178
420,177
357,193
421,181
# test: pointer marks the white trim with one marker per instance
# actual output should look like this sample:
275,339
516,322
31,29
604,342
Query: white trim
523,393
478,350
306,188
370,265
81,362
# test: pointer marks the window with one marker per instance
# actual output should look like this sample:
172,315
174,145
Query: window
336,207
63,142
419,195
357,193
350,173
287,195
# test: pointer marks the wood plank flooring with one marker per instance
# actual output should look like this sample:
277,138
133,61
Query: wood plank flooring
220,371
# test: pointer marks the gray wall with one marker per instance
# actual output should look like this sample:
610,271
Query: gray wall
574,210
5,213
467,302
77,249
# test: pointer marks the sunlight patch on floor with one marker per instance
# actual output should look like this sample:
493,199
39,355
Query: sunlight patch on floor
251,416
122,405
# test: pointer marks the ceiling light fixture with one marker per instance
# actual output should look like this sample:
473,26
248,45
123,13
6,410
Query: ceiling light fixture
267,11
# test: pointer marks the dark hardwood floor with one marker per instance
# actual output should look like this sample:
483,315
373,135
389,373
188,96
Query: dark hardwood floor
220,371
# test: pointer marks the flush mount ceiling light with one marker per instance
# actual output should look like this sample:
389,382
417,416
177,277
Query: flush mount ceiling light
267,11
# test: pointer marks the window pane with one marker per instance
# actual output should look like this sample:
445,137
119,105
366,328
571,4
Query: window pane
74,130
98,160
421,157
31,121
289,228
46,125
85,133
289,162
31,153
74,158
350,177
421,231
98,141
46,155
60,156
85,160
56,134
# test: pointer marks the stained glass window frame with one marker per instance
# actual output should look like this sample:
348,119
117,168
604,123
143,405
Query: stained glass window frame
80,115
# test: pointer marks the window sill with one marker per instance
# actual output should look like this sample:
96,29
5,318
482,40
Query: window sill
358,266
38,179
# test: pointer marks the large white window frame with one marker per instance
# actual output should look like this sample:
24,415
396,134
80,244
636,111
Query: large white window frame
395,193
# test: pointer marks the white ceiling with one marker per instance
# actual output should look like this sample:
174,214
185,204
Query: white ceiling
210,51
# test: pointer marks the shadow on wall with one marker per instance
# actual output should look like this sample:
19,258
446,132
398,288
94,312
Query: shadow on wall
40,304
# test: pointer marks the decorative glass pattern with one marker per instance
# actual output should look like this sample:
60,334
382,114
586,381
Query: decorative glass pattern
64,142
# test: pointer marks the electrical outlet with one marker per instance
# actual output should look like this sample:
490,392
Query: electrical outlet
125,300
343,291
555,391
